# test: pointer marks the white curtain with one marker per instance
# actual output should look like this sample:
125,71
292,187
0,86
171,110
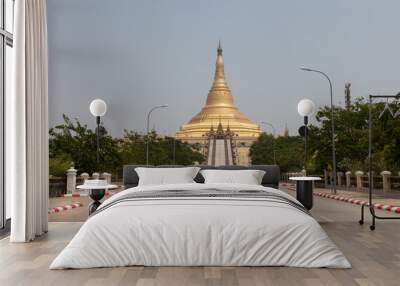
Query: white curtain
27,123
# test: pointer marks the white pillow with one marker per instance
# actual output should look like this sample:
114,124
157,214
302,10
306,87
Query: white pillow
248,177
166,176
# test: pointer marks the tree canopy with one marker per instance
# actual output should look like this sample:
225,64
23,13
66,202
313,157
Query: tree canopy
351,140
289,151
73,142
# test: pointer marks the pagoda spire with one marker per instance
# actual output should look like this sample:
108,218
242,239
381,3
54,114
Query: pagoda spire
219,66
219,107
220,94
286,131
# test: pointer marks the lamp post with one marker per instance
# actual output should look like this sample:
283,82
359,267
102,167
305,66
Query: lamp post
98,108
305,108
147,129
333,125
274,133
174,151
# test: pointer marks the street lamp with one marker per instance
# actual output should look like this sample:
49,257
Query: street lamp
148,127
274,133
305,108
174,151
98,108
333,124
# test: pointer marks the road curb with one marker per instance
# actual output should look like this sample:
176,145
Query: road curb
390,208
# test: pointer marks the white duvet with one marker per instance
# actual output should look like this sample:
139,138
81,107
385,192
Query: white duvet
193,231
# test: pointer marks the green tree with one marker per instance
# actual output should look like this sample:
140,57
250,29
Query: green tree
351,128
185,153
161,150
77,143
289,152
74,142
133,148
351,140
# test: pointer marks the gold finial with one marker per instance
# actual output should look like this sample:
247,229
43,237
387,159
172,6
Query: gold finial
219,66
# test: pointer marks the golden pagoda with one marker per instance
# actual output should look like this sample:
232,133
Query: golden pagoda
219,108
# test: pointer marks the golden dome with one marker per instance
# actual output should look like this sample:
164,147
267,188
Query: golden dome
219,108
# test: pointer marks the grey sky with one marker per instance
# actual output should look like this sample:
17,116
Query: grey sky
137,54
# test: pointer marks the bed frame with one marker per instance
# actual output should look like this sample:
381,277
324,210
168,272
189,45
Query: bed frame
270,179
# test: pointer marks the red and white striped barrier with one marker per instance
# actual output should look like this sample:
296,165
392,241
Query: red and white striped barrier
64,208
379,206
74,195
77,195
390,208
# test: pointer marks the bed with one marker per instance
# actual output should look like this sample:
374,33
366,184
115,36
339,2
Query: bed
197,224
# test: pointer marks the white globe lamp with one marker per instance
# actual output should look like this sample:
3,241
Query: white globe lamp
98,108
305,107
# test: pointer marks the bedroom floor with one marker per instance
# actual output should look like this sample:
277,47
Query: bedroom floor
375,257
